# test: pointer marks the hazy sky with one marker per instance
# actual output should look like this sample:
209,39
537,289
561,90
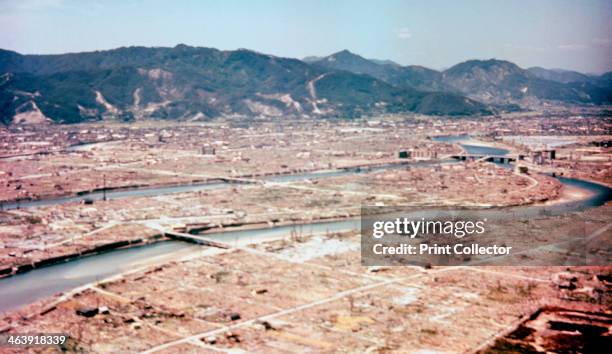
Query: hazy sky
550,33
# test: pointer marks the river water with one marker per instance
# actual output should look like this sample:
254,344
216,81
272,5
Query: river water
464,140
25,288
115,194
155,191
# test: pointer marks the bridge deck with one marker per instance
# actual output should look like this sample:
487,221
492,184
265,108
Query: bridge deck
200,240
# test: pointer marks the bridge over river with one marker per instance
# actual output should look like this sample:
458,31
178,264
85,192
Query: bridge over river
503,159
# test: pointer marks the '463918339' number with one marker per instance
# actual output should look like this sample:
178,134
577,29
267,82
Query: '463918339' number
32,339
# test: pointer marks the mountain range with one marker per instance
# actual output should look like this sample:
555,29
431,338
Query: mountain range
496,82
195,83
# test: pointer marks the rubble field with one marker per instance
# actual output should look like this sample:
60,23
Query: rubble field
294,291
270,297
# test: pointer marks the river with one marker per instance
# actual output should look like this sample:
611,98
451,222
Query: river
155,191
25,288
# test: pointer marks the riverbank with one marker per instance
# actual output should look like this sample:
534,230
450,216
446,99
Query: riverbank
195,184
570,194
16,269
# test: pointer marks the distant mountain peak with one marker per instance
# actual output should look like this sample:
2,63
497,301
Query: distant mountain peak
501,81
347,60
344,52
486,64
345,55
